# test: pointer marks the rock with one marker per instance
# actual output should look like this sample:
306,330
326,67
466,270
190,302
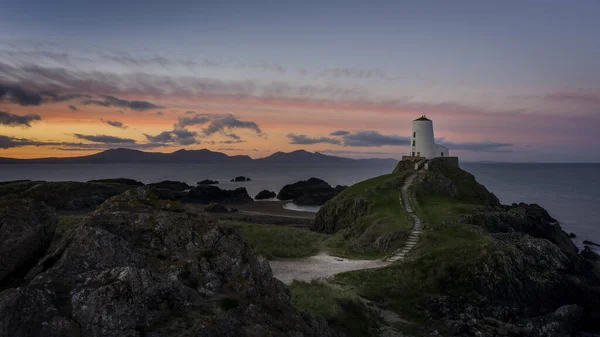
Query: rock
216,208
122,181
11,189
206,194
170,185
208,182
265,194
589,254
241,178
572,235
169,190
26,231
311,192
591,243
70,195
133,269
525,218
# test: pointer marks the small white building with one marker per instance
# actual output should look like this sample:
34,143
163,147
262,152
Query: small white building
422,140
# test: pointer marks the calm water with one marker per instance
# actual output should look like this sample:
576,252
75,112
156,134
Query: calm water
570,192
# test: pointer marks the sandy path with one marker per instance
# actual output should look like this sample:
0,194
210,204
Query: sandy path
323,266
319,266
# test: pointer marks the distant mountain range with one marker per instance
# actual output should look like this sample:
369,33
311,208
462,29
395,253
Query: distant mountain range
115,156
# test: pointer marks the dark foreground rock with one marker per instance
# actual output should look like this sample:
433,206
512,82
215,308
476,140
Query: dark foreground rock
26,230
591,243
208,182
265,194
311,192
589,254
206,194
15,187
132,269
241,178
68,195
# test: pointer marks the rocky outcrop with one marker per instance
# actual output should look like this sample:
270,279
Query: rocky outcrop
169,189
208,182
589,254
265,194
70,195
11,189
519,286
205,194
133,269
241,178
525,218
591,243
445,177
122,181
311,192
26,230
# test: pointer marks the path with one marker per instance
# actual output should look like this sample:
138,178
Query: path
323,266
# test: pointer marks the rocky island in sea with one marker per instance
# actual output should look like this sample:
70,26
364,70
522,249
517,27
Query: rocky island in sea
422,251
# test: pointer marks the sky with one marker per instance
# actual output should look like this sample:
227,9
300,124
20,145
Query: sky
511,81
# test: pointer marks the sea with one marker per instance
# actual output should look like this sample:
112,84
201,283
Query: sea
570,192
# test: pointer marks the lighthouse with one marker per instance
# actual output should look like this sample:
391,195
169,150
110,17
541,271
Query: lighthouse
422,140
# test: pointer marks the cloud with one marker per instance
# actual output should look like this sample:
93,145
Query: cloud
105,139
175,136
360,154
339,133
9,119
116,124
109,101
190,112
306,140
373,139
197,119
12,142
228,122
236,141
72,107
17,95
574,97
158,113
484,146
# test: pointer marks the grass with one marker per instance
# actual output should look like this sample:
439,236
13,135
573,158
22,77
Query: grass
436,209
443,259
273,241
342,309
385,215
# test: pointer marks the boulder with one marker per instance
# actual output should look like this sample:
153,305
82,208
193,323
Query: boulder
311,192
170,185
169,190
70,195
122,181
241,178
589,254
206,194
26,231
208,182
216,208
591,243
133,269
265,194
572,235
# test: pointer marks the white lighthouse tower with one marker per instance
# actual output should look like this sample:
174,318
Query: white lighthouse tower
422,140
